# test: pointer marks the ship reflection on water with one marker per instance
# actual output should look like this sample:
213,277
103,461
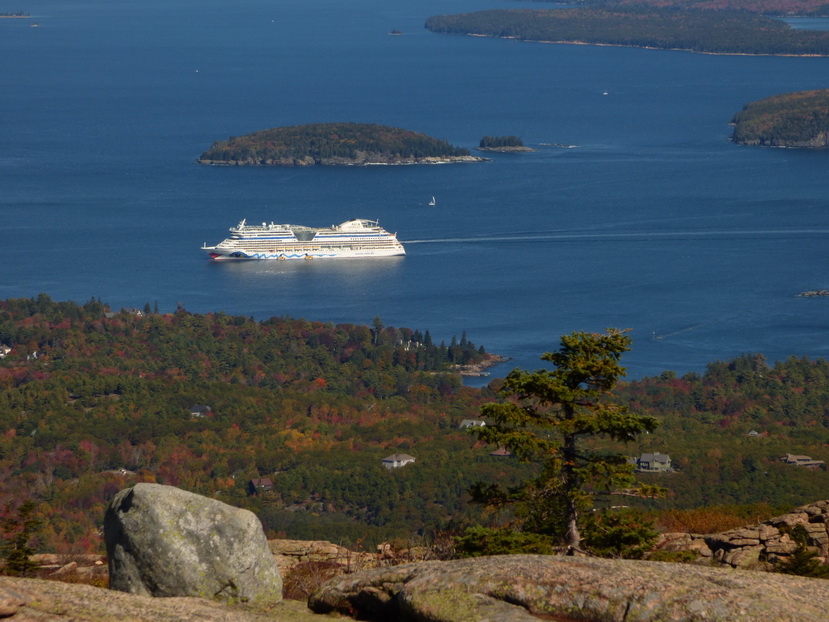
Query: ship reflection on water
347,269
322,289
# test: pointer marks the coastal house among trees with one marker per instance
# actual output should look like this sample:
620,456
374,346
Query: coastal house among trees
653,463
804,461
132,311
472,423
260,485
199,410
4,350
395,461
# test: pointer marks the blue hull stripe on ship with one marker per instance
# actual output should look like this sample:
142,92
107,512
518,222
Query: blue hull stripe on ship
278,256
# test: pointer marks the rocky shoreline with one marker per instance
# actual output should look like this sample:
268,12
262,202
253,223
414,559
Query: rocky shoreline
362,159
517,149
820,141
480,369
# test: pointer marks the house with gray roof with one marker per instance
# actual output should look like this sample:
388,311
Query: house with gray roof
654,463
804,461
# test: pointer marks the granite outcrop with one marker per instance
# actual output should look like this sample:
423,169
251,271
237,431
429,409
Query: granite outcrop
36,600
760,546
524,588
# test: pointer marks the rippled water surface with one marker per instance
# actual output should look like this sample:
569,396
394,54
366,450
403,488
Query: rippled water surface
652,221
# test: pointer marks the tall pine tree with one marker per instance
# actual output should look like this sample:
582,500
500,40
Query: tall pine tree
546,415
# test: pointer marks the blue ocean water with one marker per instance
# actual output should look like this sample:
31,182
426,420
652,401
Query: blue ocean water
653,221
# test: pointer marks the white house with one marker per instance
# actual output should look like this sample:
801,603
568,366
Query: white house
472,423
395,461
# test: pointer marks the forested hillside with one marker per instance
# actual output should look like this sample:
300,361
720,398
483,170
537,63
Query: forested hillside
727,429
315,407
791,120
93,401
712,32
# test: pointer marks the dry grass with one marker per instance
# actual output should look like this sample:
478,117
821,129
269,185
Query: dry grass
712,519
101,581
303,579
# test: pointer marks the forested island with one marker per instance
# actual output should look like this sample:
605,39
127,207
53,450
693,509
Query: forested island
799,120
93,401
503,144
711,32
334,144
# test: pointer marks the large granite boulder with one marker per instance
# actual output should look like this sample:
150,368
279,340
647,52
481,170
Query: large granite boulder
524,588
164,541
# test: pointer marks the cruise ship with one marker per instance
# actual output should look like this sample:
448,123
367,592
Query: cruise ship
353,238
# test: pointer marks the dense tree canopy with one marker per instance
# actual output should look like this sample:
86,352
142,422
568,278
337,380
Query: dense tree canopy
328,143
500,141
93,401
791,120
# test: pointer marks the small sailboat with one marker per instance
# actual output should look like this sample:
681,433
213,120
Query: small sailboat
432,202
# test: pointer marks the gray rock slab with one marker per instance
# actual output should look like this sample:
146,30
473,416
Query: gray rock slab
36,600
164,541
518,588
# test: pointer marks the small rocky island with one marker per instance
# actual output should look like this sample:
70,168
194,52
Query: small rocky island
334,144
503,144
797,120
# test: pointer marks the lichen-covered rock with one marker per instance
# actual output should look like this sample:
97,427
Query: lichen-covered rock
163,541
289,553
518,588
36,600
761,545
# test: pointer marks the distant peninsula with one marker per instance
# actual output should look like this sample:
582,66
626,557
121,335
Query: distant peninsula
789,8
709,32
334,144
798,120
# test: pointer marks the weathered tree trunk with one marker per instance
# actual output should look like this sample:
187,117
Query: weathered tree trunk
571,486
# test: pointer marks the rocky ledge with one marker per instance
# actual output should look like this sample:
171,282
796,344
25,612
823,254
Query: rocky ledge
30,600
524,588
760,546
362,159
813,292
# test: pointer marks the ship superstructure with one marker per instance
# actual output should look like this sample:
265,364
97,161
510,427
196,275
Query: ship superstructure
353,238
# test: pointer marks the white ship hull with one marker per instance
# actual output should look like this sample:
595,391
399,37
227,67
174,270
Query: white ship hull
351,239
